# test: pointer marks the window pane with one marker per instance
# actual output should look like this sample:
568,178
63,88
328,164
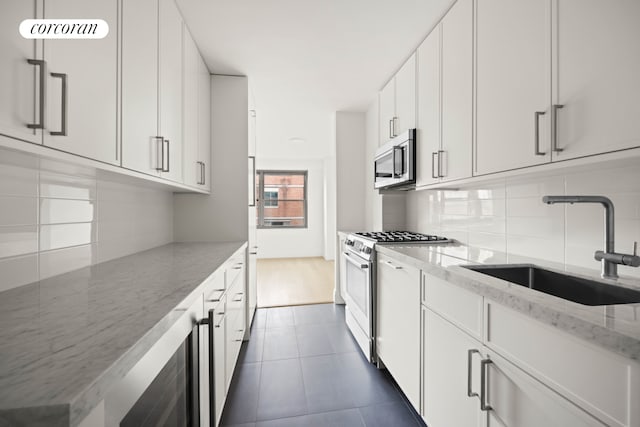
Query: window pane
284,214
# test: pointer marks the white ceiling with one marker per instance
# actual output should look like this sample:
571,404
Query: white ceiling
323,55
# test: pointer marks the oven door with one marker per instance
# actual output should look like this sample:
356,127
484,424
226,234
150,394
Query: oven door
358,290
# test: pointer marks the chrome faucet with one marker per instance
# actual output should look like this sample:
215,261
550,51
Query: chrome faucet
610,259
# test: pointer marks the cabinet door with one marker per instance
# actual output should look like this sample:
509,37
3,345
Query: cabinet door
140,148
428,129
513,83
89,68
457,90
387,110
170,75
445,374
192,169
406,97
597,69
398,327
519,400
19,104
204,122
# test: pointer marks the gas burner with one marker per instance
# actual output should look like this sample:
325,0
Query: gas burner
401,237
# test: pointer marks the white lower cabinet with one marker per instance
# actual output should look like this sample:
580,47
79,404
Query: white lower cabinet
514,398
457,392
445,375
398,327
484,364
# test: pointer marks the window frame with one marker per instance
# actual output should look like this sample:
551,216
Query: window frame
260,174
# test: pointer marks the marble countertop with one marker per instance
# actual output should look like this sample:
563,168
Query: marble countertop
65,340
615,328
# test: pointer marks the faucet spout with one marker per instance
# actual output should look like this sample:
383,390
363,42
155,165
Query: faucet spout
609,268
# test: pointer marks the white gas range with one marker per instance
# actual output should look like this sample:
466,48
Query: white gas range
360,285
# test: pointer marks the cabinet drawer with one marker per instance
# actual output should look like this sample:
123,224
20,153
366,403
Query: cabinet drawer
461,307
398,322
235,266
214,286
604,384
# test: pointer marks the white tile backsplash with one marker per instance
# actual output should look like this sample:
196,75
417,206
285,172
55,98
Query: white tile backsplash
62,211
59,236
57,217
509,216
18,210
20,240
18,271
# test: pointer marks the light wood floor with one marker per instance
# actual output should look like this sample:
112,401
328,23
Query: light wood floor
294,281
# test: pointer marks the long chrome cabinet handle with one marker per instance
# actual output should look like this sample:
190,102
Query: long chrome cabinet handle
160,159
200,170
42,82
554,127
484,406
391,128
253,189
470,354
537,133
168,156
63,103
204,173
434,172
440,157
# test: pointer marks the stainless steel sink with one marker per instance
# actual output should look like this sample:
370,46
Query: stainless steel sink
576,289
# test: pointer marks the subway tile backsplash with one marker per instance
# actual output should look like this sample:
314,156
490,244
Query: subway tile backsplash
508,216
56,217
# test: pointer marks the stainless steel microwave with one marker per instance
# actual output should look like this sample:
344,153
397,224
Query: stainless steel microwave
395,163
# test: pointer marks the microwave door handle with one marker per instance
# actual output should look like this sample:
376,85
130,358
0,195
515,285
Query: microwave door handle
395,149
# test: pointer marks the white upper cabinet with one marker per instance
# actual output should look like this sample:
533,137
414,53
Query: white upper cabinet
513,85
405,117
398,102
429,108
387,110
170,84
454,159
191,165
445,106
140,145
19,80
152,88
204,123
597,70
81,84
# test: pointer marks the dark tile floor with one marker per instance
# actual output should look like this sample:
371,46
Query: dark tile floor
301,367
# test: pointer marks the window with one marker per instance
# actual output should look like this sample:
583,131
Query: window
270,198
282,199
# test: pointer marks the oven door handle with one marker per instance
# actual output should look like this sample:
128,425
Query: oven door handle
354,262
210,323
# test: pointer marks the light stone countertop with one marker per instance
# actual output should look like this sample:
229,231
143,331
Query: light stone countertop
65,340
615,328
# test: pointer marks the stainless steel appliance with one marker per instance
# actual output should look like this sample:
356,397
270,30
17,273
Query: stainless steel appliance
395,163
360,281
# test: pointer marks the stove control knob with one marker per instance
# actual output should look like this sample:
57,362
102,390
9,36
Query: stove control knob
367,250
349,242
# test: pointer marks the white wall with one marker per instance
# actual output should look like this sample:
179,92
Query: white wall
298,138
373,201
350,170
509,216
297,242
56,217
222,215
